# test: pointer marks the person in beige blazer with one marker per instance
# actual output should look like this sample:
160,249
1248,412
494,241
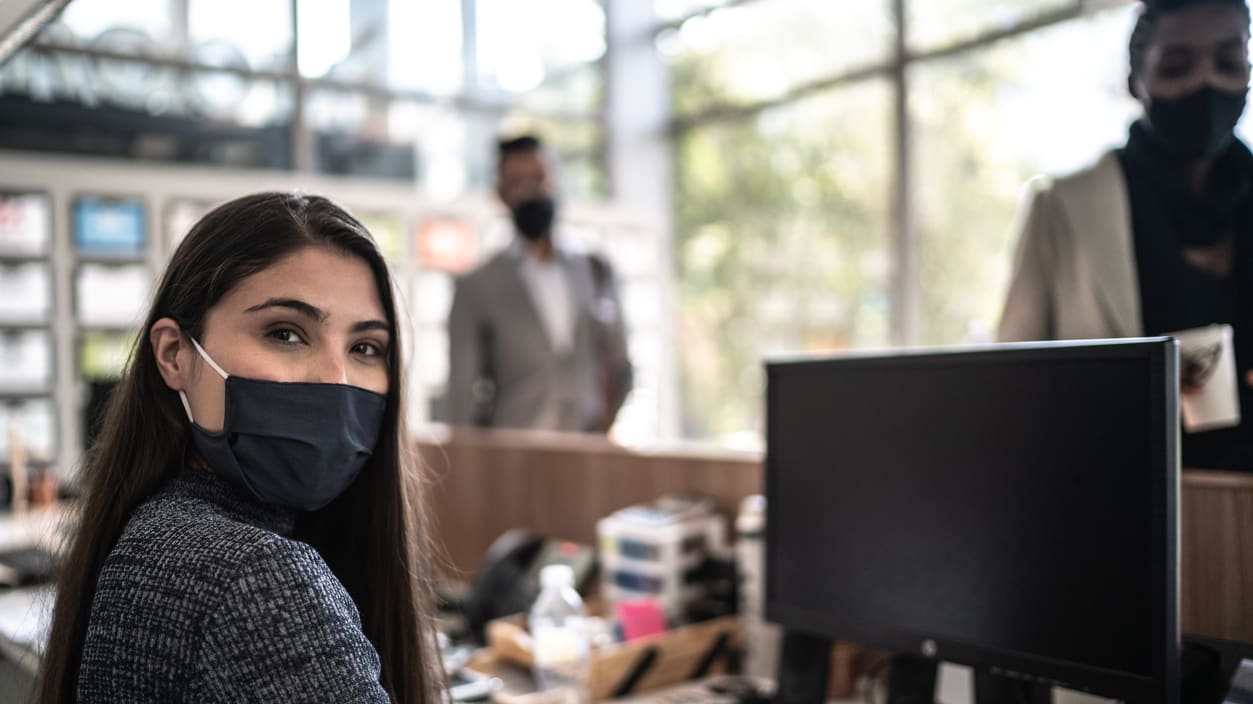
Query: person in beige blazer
536,336
1156,236
1074,272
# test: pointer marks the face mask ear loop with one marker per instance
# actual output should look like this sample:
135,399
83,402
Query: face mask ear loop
207,358
182,395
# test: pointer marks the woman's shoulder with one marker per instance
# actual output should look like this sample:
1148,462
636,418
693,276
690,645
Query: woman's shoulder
191,537
246,612
180,517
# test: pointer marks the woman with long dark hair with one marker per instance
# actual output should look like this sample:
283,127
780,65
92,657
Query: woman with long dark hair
251,526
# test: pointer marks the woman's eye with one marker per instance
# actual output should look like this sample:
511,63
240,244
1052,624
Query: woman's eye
285,336
368,349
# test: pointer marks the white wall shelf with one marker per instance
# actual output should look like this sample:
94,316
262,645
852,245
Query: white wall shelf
174,197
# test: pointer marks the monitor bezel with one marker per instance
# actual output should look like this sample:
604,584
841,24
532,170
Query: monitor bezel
1162,684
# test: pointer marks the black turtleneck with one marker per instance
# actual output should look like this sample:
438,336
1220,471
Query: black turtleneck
1167,217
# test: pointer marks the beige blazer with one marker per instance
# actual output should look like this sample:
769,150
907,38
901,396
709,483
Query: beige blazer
1075,270
503,369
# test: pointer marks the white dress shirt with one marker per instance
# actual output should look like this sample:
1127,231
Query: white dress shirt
549,286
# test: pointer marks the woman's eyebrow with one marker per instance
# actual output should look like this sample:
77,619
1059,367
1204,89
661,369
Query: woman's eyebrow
372,325
313,312
295,304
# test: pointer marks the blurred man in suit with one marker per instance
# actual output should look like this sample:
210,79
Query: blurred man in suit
536,337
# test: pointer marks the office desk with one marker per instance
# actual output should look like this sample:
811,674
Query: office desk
25,613
36,526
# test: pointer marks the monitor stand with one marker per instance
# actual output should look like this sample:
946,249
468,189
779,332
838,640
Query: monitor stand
911,680
804,667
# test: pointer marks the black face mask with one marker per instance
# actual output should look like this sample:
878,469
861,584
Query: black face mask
534,218
293,444
1198,125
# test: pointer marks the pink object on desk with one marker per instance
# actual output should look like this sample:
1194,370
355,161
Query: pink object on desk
640,617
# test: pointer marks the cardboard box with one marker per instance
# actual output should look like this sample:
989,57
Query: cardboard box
637,666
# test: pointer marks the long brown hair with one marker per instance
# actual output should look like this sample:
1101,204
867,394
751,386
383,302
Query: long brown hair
373,537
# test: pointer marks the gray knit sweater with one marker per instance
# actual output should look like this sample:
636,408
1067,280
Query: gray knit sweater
203,599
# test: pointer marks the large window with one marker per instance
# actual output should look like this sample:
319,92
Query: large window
417,91
781,246
982,123
847,174
839,189
762,50
396,89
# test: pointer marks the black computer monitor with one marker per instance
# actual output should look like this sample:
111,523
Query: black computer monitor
1012,508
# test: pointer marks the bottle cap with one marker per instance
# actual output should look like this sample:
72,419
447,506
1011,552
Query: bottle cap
752,516
556,576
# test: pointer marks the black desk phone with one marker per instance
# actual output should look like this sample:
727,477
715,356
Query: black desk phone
508,581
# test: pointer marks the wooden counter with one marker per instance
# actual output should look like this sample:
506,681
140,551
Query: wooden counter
485,483
1216,554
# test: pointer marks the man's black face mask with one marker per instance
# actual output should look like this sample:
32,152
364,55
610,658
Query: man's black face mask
534,218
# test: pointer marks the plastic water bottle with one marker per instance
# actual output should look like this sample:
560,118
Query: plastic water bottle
559,631
761,638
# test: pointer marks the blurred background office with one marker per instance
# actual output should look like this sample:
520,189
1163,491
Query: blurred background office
852,186
764,176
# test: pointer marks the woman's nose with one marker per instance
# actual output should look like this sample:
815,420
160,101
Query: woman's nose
332,369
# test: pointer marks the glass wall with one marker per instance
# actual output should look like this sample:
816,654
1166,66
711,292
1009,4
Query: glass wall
414,90
738,54
781,245
791,233
982,123
793,227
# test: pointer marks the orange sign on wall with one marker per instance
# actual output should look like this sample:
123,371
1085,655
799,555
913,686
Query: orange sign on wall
448,244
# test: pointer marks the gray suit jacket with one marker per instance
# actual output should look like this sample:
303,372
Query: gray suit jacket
503,370
1075,269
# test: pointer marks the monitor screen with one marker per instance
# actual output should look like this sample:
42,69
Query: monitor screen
1009,507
